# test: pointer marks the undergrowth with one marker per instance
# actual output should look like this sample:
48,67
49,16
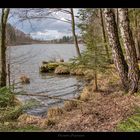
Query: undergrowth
131,124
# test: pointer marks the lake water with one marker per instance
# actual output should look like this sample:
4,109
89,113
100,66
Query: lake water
26,59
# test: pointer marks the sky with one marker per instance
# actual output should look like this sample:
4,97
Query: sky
45,29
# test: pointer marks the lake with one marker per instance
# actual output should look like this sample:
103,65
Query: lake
26,59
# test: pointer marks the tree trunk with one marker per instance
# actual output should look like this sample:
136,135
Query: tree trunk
117,17
126,33
4,17
73,32
104,36
95,82
114,42
137,43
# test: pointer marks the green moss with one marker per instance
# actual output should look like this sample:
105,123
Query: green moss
132,124
52,66
14,127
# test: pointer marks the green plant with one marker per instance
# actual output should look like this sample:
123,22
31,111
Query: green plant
6,97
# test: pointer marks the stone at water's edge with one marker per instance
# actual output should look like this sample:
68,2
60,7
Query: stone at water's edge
51,66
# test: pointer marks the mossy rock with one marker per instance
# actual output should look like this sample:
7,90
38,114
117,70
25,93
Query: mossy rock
45,62
62,70
49,67
44,68
52,66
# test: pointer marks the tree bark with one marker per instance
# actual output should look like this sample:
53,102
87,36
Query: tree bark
104,35
114,42
73,32
4,17
126,33
137,43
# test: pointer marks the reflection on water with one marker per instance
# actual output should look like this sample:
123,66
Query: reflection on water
26,60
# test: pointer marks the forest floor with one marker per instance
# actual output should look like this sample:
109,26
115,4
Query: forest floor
102,111
92,112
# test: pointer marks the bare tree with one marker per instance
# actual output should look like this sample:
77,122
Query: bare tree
49,13
73,32
4,17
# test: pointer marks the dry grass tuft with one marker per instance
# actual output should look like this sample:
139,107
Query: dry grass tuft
69,105
62,70
86,94
53,112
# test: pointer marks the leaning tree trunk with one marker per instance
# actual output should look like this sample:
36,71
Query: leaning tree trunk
104,36
117,52
4,17
126,33
73,32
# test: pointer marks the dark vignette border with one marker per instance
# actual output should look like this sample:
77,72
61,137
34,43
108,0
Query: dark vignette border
70,3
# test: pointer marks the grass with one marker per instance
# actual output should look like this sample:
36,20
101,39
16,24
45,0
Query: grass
13,127
131,124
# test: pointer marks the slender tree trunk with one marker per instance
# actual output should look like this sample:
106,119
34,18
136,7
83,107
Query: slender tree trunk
117,52
95,81
137,43
73,32
126,33
104,36
4,16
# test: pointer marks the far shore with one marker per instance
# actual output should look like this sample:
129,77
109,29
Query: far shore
40,43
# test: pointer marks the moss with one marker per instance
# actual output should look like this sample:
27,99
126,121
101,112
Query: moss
132,124
14,127
52,66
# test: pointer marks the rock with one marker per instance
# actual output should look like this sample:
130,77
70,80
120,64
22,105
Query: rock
43,68
52,66
49,67
62,70
44,62
24,79
61,60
